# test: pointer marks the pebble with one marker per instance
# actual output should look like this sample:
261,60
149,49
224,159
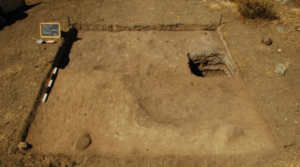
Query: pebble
279,50
22,146
83,141
281,69
298,29
267,41
280,28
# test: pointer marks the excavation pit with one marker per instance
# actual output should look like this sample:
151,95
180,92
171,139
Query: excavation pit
133,93
210,64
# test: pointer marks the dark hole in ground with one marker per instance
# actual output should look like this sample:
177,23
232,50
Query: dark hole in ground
207,67
194,68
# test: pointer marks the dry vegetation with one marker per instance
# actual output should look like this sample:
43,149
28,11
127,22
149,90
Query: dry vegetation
253,9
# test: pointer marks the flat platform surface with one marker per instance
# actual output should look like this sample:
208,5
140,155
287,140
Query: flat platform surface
134,93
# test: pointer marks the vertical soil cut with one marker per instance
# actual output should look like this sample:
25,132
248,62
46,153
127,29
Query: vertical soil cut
208,64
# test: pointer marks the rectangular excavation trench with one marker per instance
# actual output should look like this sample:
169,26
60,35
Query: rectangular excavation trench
135,94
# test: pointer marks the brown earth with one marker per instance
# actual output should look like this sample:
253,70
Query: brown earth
143,105
134,93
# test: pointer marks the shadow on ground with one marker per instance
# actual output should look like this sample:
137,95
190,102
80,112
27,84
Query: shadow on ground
19,14
194,68
63,59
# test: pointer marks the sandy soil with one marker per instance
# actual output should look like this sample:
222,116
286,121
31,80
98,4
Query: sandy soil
134,93
271,102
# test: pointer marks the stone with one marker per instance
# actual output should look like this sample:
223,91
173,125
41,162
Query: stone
280,28
267,41
22,146
298,29
281,69
39,41
279,50
83,141
228,133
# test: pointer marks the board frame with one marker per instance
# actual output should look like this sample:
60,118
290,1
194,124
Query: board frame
50,36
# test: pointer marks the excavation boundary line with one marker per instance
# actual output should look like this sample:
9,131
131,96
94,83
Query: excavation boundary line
229,62
160,27
114,28
29,118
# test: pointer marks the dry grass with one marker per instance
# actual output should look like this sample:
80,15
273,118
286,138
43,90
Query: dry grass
228,4
253,9
214,7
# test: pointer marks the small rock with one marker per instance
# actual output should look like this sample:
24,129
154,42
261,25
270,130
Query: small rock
298,29
267,41
285,119
281,69
83,141
279,50
290,31
280,28
22,146
43,48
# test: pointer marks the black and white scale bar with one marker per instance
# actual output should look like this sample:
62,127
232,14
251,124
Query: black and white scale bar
50,84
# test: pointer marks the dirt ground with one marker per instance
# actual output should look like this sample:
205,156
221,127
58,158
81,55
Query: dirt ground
134,93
